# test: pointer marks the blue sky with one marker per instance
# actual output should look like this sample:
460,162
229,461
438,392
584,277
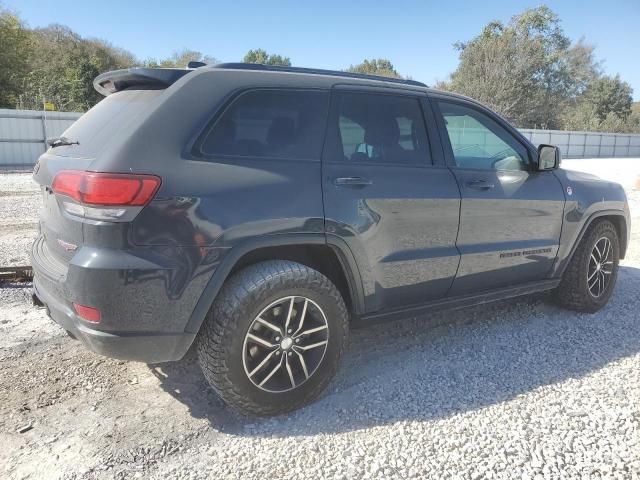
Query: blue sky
417,36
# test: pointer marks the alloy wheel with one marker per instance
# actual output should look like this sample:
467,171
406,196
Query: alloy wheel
285,344
600,267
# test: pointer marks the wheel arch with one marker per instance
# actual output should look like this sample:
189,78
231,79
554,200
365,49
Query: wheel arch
619,220
620,223
331,259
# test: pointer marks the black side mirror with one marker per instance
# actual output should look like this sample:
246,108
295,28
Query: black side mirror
548,157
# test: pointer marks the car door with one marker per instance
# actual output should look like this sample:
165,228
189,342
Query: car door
384,197
511,214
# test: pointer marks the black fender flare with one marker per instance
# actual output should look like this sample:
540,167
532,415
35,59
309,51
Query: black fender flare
563,263
235,253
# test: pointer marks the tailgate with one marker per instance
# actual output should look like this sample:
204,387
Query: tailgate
97,133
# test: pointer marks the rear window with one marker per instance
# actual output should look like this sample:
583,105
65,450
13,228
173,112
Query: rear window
116,113
271,124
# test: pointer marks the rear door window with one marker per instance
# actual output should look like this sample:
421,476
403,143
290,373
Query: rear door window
381,129
286,124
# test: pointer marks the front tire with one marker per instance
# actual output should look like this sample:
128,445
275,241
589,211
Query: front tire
591,275
273,338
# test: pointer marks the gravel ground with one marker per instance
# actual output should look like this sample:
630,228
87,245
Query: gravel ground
516,389
19,210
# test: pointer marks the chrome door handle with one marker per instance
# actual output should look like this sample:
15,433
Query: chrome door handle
351,182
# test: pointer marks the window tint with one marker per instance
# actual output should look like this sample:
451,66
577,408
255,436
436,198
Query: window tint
381,129
271,123
479,142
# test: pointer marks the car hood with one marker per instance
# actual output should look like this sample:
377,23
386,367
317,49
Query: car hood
576,176
587,188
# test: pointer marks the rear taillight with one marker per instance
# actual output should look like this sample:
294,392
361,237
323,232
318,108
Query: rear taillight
107,189
104,196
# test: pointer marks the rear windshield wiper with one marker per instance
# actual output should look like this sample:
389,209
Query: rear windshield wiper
61,142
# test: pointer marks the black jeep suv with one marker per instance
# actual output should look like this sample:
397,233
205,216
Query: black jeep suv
259,211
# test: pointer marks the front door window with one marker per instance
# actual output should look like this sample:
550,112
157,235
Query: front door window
479,142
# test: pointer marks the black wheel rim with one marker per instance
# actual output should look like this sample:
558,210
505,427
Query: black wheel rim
285,344
600,267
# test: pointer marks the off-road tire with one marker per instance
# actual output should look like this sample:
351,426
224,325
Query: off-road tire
573,292
220,342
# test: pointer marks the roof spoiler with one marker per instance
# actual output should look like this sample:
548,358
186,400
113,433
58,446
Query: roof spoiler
139,78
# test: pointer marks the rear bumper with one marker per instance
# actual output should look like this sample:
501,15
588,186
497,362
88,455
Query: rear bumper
141,321
142,347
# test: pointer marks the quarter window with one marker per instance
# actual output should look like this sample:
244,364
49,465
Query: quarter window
381,129
271,123
479,142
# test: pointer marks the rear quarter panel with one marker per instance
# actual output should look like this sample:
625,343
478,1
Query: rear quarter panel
218,202
202,209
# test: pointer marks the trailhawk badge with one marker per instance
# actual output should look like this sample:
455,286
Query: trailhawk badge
69,247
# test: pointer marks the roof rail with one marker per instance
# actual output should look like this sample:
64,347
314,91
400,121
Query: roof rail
316,71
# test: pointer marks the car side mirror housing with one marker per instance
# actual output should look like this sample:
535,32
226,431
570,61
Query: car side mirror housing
548,157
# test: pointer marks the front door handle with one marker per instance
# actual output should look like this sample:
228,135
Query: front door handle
480,185
351,182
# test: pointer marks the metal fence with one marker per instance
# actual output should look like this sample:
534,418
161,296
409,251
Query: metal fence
23,135
587,144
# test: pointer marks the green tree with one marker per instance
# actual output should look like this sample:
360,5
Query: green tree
57,65
633,122
379,66
15,49
62,67
609,95
179,59
527,69
108,56
581,116
261,56
79,76
605,106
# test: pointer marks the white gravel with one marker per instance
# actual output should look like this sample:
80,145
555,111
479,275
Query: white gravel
19,209
517,389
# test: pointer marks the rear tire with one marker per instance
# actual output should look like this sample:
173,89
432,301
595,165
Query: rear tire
246,336
590,277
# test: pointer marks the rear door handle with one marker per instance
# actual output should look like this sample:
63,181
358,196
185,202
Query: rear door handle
351,182
480,185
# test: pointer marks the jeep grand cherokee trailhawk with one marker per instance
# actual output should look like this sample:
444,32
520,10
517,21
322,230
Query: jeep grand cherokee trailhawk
259,212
